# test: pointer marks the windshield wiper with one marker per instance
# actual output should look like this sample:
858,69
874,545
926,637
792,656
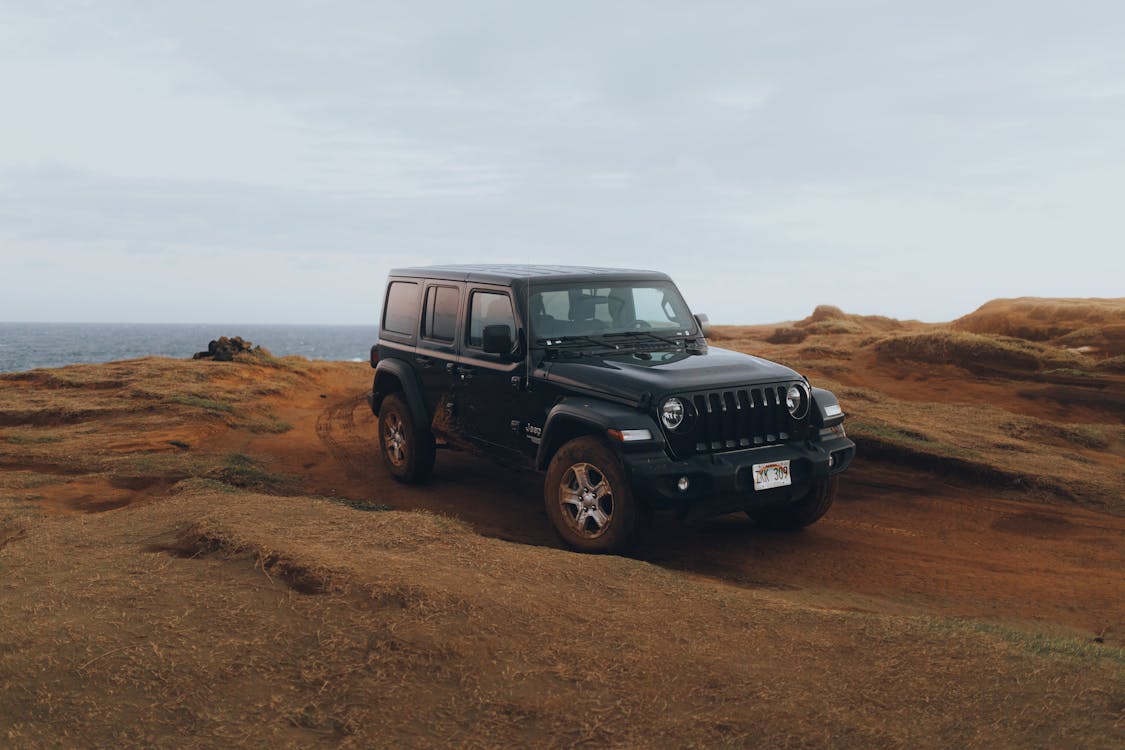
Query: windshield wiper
568,342
647,334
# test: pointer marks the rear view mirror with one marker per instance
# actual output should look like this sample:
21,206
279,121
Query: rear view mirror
497,339
704,325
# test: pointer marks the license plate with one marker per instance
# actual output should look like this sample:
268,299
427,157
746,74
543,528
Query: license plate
770,475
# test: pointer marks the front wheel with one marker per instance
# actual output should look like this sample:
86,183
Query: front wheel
801,513
407,449
588,498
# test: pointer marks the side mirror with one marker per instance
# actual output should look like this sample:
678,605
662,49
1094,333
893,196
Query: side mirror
497,339
704,325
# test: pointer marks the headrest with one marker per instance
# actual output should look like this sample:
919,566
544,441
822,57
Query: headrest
582,308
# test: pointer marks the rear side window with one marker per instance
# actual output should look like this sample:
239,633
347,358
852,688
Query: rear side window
489,309
439,322
400,314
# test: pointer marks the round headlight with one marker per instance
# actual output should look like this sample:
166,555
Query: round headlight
672,413
797,399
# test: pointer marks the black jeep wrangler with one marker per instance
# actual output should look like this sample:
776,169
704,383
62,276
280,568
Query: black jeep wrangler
603,379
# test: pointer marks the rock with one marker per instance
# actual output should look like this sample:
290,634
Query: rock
223,349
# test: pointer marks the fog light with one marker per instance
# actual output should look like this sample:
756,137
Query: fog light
831,460
683,484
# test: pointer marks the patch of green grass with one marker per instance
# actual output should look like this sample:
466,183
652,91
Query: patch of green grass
888,433
832,327
1040,431
363,505
32,439
204,484
206,404
27,480
1069,372
241,470
265,358
158,464
270,425
860,394
1113,364
917,441
983,354
1038,644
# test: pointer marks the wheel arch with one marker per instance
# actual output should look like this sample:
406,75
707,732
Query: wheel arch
572,418
394,376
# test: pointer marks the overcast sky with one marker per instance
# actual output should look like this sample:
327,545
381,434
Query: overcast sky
270,161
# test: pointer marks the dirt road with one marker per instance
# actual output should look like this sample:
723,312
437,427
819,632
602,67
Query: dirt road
897,541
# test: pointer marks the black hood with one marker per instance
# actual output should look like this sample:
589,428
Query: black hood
629,376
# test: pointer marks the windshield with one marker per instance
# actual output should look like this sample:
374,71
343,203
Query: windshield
653,307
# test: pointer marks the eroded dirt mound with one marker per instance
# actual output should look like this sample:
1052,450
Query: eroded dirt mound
975,353
831,320
1098,324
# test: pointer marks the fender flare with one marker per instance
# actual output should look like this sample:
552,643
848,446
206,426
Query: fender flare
826,408
411,389
593,417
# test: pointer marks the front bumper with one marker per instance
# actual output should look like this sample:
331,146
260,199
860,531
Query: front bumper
724,482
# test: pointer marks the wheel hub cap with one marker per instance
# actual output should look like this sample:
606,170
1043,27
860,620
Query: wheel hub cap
586,500
394,441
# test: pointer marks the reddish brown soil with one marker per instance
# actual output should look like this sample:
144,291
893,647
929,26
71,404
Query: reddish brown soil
897,540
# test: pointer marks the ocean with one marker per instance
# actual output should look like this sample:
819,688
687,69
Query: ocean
26,346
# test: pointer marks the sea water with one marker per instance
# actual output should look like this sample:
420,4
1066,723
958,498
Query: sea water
26,346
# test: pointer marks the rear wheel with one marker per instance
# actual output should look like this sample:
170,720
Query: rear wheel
407,450
588,498
801,513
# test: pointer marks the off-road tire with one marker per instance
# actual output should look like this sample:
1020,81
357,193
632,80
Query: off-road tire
577,525
407,450
799,514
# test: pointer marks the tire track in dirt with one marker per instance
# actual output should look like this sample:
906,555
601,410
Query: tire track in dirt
336,429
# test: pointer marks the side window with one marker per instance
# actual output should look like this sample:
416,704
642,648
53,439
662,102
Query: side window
488,309
439,321
400,313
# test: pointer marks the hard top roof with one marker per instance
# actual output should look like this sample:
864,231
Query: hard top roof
504,273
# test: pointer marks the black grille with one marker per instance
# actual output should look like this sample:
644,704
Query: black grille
742,418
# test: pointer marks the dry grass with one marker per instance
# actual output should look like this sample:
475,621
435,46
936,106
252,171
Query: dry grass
982,355
143,417
1039,319
971,404
226,607
324,624
1072,462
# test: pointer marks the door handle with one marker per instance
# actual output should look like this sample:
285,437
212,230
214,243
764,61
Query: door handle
465,373
424,361
449,367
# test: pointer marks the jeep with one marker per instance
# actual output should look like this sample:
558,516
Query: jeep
603,380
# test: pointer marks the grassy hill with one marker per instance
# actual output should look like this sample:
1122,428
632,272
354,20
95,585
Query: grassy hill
199,553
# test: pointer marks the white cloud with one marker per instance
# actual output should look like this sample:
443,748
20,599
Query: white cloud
915,161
